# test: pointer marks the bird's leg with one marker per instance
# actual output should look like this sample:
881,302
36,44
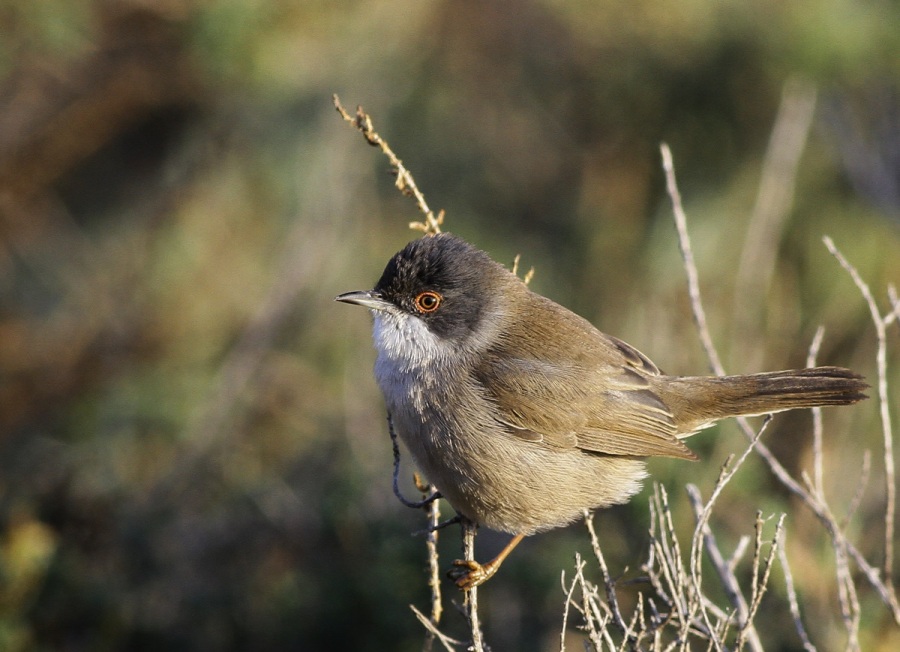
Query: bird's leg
468,573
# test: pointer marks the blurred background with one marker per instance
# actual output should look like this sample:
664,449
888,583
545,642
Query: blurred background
193,452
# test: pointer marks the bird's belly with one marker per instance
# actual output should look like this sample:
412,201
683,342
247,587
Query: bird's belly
501,481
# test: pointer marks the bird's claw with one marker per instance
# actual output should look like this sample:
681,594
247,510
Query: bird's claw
468,573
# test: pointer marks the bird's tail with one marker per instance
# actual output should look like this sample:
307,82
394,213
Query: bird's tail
699,401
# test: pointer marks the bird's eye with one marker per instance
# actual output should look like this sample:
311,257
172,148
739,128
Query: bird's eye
428,301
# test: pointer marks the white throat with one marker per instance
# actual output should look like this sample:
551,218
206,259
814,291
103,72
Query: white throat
405,343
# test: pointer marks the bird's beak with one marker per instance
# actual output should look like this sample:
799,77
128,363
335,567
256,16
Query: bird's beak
368,298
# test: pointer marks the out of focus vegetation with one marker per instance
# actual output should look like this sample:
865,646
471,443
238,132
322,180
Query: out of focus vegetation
193,454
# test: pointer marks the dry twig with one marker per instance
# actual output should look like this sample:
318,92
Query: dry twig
818,456
404,180
432,629
703,537
471,595
810,495
792,600
526,279
687,253
890,488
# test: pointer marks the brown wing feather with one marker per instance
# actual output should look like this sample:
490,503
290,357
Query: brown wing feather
599,401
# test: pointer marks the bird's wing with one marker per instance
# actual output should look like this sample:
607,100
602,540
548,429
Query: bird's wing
601,401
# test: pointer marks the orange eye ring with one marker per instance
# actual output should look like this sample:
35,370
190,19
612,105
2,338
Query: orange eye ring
428,301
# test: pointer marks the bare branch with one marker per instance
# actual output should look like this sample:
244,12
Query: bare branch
445,640
760,584
818,458
880,581
567,604
434,571
684,242
526,279
887,431
611,599
404,179
703,536
895,305
860,489
792,599
471,595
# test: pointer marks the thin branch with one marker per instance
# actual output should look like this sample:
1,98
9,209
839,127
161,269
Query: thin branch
610,585
686,601
471,595
887,431
882,584
792,600
567,604
703,535
526,279
724,570
591,609
684,242
431,546
847,597
760,584
818,457
861,485
894,316
445,640
404,179
823,513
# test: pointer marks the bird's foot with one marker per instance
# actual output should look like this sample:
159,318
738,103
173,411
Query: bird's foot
468,573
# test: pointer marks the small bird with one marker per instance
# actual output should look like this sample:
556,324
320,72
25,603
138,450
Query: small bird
520,412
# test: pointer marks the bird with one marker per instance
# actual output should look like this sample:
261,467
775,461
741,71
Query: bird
520,412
